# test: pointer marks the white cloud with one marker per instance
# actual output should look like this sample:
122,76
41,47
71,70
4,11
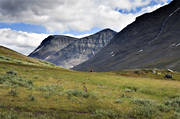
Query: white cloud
77,36
19,41
77,15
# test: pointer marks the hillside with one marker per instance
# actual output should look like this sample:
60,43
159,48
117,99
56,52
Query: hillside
38,91
69,52
11,57
152,41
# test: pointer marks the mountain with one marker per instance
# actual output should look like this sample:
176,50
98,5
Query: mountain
51,45
152,41
75,51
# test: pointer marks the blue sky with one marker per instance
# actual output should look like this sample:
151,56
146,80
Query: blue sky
24,27
32,21
138,9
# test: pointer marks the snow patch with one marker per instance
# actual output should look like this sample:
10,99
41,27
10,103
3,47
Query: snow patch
170,70
112,54
93,53
140,51
174,12
38,49
47,57
178,45
71,67
174,44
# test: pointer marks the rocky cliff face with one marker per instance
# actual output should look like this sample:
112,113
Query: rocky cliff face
71,52
83,49
51,45
152,41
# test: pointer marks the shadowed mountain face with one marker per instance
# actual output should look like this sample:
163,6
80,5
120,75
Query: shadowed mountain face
69,52
152,41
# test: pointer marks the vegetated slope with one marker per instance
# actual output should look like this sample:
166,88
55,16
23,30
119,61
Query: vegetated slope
152,41
41,92
10,56
51,45
75,52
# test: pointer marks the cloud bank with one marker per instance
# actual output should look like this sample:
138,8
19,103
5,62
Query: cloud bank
77,15
22,42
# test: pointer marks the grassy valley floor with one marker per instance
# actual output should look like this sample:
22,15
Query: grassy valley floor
36,91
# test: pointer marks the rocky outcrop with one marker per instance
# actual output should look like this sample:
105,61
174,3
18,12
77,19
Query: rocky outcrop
69,52
152,41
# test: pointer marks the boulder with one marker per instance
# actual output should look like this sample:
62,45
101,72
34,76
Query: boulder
168,76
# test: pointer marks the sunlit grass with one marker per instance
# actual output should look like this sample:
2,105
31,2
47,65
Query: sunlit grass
59,93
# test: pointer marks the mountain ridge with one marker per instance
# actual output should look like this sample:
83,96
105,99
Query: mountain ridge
142,44
76,51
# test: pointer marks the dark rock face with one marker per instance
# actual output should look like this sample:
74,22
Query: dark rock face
69,52
152,41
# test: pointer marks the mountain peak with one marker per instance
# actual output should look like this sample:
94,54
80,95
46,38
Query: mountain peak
68,53
107,30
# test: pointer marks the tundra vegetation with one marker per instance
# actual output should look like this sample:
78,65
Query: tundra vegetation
40,90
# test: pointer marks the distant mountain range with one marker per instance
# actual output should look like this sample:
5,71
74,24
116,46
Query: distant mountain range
152,41
68,51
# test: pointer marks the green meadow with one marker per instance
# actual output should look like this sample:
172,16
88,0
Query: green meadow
34,89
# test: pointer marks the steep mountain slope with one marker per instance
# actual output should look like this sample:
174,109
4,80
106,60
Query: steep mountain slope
51,45
74,52
152,41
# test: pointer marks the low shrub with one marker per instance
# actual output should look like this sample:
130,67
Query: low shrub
144,109
125,95
176,116
106,114
50,88
31,98
174,104
13,92
12,79
163,108
78,93
140,102
118,101
47,95
4,58
130,88
8,115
